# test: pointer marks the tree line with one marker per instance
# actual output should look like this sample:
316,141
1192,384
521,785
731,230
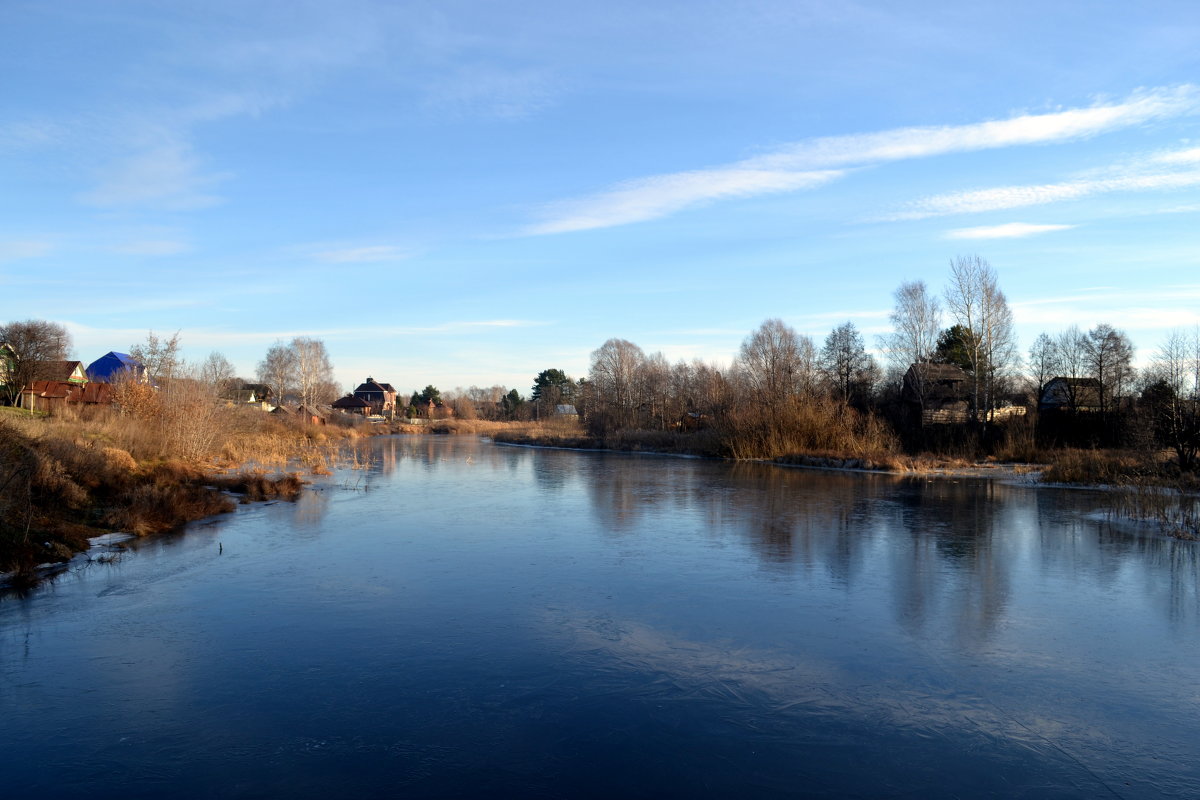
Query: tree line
783,390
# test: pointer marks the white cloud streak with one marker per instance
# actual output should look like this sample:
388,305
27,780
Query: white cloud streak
363,255
168,175
152,247
1011,230
1149,310
1027,129
1008,197
812,163
658,196
21,249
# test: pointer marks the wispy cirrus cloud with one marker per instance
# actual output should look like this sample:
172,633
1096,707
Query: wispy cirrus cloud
1146,310
152,247
1026,129
660,195
368,254
1010,230
814,162
168,175
16,250
1159,172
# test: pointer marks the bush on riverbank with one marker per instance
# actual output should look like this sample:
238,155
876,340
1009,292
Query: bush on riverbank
69,477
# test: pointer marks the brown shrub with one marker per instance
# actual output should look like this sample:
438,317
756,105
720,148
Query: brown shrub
254,486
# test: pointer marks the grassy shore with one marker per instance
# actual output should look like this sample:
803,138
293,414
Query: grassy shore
64,479
1141,486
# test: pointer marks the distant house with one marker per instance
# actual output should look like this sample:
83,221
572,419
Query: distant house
352,405
565,410
113,366
310,415
1070,394
379,397
8,363
66,371
258,394
941,391
53,396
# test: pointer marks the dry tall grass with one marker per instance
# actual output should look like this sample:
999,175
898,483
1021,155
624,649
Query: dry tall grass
66,477
814,427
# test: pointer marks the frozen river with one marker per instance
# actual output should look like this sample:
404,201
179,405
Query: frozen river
464,619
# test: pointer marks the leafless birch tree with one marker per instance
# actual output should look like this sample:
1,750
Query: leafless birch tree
916,320
313,371
277,370
977,304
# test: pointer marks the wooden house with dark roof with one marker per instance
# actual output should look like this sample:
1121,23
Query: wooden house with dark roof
53,396
941,391
1070,394
352,405
309,415
259,394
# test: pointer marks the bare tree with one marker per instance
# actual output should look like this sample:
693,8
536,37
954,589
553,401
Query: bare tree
1109,356
32,341
1071,360
847,366
277,369
776,363
916,320
313,372
1173,395
977,304
1044,362
654,387
217,373
160,357
613,383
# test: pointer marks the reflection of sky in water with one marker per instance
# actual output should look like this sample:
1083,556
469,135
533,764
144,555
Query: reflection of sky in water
458,618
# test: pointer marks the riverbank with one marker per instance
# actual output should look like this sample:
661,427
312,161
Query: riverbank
703,444
67,479
1140,486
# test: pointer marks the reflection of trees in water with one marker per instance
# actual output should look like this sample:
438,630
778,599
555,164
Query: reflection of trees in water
800,516
955,548
1176,561
948,556
946,551
551,470
1074,537
310,509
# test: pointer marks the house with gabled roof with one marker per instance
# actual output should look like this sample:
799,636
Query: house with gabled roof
352,405
113,366
380,397
941,392
8,363
52,396
1070,394
65,371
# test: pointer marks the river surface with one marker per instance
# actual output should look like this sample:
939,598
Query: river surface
460,619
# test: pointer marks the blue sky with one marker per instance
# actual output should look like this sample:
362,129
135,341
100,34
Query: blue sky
468,193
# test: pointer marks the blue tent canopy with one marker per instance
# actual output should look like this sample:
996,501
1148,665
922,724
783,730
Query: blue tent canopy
112,365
